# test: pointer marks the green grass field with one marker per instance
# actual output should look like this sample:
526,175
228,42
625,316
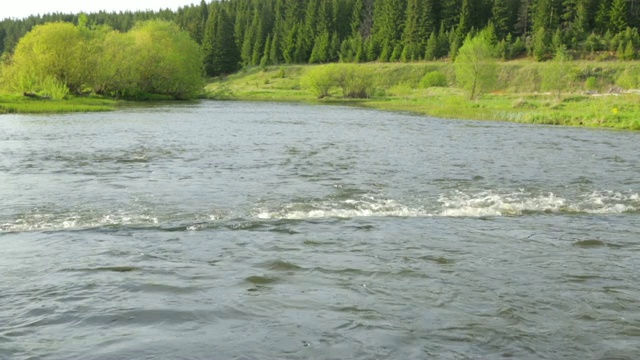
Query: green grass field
18,104
517,98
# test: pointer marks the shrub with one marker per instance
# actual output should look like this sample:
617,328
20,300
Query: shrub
526,79
629,78
53,88
591,83
434,79
320,80
401,90
355,81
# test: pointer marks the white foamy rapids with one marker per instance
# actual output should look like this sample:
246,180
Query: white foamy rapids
54,222
489,203
367,206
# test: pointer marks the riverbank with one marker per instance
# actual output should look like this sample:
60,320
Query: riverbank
18,104
591,97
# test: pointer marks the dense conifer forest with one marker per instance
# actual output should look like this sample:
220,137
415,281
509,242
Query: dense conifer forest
236,33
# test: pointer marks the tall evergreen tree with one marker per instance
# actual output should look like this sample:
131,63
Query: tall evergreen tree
602,16
523,25
450,13
430,16
618,16
467,13
413,35
502,17
221,53
388,23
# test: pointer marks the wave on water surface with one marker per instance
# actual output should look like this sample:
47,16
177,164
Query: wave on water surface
454,204
460,204
490,203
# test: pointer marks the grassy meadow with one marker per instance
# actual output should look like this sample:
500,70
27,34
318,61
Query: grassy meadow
588,93
18,104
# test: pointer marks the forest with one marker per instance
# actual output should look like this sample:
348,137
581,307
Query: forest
233,34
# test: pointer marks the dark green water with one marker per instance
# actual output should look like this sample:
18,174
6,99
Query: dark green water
272,231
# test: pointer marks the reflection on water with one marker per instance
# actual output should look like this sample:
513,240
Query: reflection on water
274,231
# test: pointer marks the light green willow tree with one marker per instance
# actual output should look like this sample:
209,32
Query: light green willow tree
48,53
166,60
556,74
154,57
476,65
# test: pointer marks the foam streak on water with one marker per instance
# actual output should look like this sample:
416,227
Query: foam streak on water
276,231
456,204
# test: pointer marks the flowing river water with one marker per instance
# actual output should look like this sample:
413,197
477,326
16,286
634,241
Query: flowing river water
230,230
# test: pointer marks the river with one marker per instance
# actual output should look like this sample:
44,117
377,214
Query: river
231,230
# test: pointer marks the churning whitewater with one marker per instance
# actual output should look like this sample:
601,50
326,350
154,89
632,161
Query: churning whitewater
278,231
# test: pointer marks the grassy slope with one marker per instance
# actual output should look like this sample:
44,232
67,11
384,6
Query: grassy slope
397,88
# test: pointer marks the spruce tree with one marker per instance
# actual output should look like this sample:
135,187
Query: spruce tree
334,47
450,13
320,52
357,13
602,16
429,17
618,16
501,18
432,52
466,17
275,54
266,56
411,34
629,51
546,15
208,46
221,54
388,22
540,44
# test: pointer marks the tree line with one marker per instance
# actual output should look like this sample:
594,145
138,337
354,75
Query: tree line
236,33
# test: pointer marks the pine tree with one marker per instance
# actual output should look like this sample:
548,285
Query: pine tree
501,18
619,16
334,47
546,14
266,56
430,16
289,44
357,14
258,51
221,54
450,13
466,17
209,44
320,52
602,16
557,43
629,51
249,41
432,52
275,54
523,25
388,22
411,34
454,44
540,44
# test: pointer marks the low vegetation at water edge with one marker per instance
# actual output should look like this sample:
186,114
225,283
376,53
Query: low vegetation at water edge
581,93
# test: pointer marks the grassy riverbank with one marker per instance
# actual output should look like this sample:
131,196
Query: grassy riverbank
519,96
18,104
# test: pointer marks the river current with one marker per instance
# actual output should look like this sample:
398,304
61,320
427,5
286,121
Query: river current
231,230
